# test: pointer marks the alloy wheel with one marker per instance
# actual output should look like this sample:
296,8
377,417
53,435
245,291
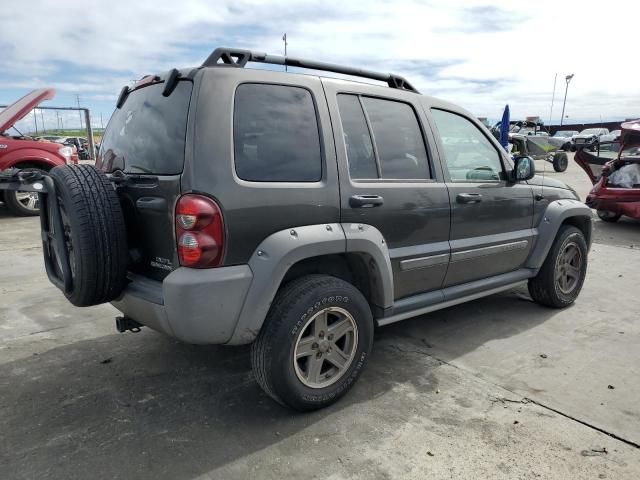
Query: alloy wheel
569,268
325,347
29,200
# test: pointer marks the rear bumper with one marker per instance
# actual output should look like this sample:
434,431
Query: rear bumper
195,306
628,208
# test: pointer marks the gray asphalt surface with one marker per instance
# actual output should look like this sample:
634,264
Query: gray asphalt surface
497,388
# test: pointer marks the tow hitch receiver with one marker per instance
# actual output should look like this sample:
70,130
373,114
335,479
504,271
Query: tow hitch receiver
124,324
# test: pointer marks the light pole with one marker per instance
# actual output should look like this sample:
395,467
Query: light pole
553,96
79,111
567,79
284,39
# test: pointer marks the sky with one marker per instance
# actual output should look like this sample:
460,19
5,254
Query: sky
477,54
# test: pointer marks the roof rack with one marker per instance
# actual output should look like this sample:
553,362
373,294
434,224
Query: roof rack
239,58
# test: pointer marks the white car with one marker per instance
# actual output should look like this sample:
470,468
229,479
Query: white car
562,138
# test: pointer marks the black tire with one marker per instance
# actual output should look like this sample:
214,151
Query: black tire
560,162
17,206
545,288
607,216
96,236
296,304
573,148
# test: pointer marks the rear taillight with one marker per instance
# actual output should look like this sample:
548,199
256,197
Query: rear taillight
199,232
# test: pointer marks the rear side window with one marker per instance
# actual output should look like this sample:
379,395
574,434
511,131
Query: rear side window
275,134
147,134
357,140
399,152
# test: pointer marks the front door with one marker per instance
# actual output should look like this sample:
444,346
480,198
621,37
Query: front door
491,217
388,180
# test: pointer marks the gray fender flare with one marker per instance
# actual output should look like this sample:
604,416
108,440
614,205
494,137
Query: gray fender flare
367,240
555,214
279,251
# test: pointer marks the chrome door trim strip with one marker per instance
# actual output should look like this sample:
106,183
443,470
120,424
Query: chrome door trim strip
483,251
424,262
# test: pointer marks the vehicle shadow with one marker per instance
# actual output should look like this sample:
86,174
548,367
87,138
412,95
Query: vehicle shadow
4,212
136,405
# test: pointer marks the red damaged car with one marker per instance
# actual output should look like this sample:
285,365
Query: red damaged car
19,151
614,170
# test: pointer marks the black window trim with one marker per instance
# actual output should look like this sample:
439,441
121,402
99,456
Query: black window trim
361,181
267,183
442,156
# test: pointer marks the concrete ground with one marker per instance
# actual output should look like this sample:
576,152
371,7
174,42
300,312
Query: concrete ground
498,388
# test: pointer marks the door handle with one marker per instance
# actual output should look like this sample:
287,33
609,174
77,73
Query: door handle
365,201
469,198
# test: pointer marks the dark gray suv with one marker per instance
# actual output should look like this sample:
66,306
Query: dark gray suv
296,212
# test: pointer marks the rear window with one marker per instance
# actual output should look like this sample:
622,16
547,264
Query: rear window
147,134
275,134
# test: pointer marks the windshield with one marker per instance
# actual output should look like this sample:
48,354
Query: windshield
147,134
563,133
590,131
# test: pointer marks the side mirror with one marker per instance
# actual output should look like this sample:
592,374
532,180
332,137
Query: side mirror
524,168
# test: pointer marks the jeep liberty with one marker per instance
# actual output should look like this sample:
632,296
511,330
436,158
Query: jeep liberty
297,213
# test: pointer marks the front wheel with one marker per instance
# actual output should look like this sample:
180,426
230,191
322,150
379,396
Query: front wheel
22,204
314,343
560,279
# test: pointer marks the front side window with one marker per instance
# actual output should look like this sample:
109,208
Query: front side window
275,134
393,128
469,156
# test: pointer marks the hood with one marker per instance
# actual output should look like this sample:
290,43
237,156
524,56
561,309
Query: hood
18,110
548,182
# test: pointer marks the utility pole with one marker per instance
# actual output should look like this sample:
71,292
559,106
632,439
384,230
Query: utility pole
553,96
284,39
57,120
566,79
101,124
79,111
44,130
35,120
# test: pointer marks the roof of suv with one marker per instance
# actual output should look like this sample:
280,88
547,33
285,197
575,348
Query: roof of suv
238,59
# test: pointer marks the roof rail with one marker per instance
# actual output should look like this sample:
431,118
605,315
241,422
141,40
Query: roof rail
239,58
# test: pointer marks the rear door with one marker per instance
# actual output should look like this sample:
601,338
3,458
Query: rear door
491,223
388,180
145,139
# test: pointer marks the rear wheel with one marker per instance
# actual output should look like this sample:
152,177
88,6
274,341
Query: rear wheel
560,279
607,216
314,343
560,161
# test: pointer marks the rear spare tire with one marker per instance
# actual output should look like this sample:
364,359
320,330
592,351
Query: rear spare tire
95,234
